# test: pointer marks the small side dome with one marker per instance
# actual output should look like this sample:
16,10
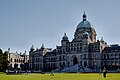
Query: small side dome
102,40
65,37
85,34
32,48
24,53
42,47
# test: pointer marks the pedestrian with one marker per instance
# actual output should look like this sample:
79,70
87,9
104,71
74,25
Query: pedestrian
118,70
100,72
52,73
7,71
104,72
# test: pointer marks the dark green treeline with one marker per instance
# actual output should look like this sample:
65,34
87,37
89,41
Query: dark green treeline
3,61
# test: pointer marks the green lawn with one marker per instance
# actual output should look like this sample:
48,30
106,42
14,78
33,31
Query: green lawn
61,76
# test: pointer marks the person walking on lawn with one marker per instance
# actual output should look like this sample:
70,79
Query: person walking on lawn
104,72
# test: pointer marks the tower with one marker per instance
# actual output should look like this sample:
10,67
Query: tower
64,42
85,26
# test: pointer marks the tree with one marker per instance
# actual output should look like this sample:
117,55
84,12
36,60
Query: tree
5,60
1,51
1,60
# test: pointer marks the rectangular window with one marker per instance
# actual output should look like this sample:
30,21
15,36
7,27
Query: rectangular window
80,56
84,56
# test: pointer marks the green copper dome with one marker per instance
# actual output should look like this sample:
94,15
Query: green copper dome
84,23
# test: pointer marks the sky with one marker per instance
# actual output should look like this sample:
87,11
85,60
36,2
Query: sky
24,23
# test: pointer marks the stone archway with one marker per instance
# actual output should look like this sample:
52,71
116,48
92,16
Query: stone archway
85,63
75,61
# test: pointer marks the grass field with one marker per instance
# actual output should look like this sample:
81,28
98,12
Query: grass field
61,76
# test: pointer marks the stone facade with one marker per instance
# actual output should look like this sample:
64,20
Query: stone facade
111,57
37,58
17,60
84,50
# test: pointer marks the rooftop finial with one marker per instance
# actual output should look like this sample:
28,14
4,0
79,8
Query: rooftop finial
84,16
102,40
42,46
64,34
8,49
25,51
84,11
32,48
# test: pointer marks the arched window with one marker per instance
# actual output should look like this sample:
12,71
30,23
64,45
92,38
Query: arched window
14,60
63,57
17,60
63,63
119,55
54,59
80,63
60,58
115,55
85,63
38,59
111,55
84,56
60,64
80,48
11,60
77,47
71,45
104,56
74,49
107,56
75,61
21,61
71,49
80,44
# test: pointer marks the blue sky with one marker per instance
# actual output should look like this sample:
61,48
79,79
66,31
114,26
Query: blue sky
32,22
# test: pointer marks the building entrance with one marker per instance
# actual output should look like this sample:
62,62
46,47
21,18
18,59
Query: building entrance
85,63
75,61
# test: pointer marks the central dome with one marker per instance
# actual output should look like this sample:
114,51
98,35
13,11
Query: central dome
84,23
